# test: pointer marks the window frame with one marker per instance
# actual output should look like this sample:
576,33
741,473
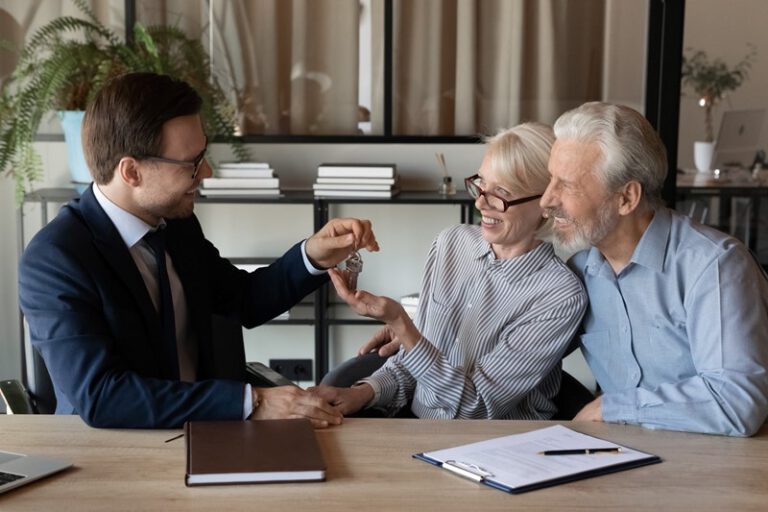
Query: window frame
665,30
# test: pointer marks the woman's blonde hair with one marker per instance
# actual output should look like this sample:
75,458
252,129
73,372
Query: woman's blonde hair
521,155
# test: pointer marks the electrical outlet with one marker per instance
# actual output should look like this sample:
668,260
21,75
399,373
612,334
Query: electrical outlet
293,369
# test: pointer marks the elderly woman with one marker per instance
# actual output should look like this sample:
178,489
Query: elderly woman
497,310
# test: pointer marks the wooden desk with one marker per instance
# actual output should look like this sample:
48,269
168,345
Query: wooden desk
370,468
727,185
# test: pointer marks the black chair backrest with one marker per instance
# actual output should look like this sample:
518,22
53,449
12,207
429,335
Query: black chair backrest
352,370
571,398
40,387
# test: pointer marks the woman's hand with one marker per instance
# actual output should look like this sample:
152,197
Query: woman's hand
364,303
385,342
345,400
379,308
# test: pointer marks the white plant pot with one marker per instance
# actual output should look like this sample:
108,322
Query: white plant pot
702,155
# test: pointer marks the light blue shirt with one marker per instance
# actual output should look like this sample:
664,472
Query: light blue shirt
679,338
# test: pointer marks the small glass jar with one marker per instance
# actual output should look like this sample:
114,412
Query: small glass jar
446,187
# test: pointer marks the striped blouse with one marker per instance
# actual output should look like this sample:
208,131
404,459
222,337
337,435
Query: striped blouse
493,333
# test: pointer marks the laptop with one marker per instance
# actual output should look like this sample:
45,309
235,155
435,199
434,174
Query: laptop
17,469
739,138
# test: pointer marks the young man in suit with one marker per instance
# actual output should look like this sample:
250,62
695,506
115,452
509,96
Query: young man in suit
120,288
676,327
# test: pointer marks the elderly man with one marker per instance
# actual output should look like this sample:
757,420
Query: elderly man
676,328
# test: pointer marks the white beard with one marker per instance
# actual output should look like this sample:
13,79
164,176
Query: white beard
584,236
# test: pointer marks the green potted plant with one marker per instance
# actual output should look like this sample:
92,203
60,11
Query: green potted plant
58,73
711,80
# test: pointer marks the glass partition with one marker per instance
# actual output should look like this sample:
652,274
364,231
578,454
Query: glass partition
459,67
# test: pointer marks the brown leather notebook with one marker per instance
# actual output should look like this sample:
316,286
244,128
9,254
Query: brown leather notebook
233,452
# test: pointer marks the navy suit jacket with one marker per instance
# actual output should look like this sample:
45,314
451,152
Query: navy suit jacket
91,318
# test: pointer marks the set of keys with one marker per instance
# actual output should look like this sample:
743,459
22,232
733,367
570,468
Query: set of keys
352,268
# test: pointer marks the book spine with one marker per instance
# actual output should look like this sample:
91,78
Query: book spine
339,186
239,192
245,173
354,181
355,193
241,183
244,165
355,172
187,446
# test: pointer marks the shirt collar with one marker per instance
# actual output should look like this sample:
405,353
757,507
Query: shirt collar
131,228
595,261
652,248
650,251
516,267
481,248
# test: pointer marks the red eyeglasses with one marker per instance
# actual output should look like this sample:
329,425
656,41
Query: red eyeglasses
494,201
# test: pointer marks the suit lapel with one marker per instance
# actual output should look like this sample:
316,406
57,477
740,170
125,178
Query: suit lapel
116,254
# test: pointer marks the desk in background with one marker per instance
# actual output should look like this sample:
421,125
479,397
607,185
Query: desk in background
726,186
370,468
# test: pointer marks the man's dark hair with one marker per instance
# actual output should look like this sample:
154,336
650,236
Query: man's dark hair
126,119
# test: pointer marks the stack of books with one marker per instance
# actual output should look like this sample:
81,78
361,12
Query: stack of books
410,304
242,179
356,180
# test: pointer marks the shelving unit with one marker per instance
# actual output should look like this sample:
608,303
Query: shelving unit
319,312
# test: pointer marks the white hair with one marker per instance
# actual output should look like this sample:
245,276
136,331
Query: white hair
630,147
521,154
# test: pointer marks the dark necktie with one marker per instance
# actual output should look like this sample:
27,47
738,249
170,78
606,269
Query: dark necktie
156,240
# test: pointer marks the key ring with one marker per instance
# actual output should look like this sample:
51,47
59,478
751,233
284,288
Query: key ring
352,268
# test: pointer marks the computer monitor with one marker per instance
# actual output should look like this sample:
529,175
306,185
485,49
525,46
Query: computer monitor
738,139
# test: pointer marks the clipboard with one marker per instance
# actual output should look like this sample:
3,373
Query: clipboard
477,462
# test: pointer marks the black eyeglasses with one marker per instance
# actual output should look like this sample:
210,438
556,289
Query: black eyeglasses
494,201
195,163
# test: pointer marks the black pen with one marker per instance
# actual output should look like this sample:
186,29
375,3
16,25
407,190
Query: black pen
581,451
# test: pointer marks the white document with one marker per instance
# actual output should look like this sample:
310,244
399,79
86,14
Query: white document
516,464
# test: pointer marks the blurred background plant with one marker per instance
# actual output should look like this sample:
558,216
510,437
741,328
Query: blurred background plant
711,79
66,61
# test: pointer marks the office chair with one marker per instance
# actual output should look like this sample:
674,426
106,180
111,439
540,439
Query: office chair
571,398
36,396
573,395
352,370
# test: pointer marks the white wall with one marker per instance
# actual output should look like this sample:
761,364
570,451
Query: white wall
723,29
